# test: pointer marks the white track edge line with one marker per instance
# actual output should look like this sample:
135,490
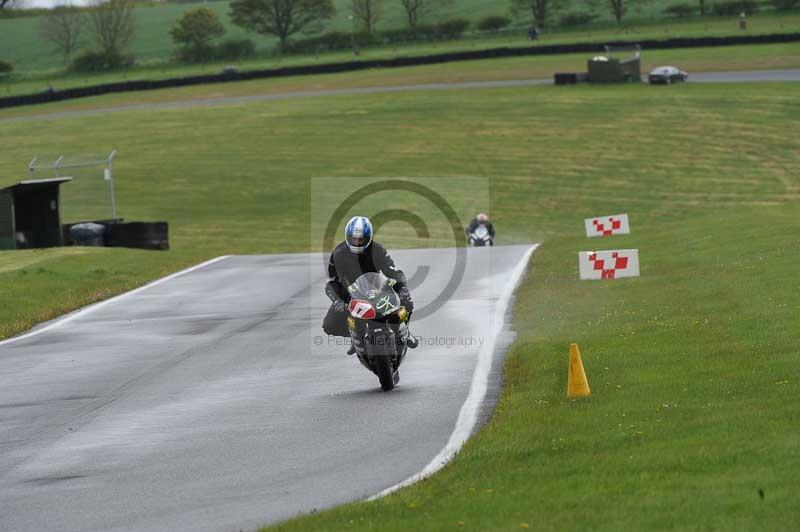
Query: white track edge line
468,416
101,304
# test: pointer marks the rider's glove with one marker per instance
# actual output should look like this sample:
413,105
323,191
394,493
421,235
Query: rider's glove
402,314
405,297
338,303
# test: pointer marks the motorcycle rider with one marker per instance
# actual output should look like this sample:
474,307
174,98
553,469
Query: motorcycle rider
355,256
480,219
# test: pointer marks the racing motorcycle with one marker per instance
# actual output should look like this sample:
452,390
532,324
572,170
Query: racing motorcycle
480,237
378,326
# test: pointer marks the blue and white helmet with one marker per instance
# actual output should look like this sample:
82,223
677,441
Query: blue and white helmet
358,233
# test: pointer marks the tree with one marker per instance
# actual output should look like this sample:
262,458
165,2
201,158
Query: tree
197,28
419,9
782,5
618,7
282,18
702,7
6,3
539,10
368,12
112,25
63,27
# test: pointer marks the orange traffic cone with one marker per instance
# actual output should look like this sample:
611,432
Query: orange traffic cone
577,384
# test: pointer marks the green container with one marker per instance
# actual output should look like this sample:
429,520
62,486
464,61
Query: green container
7,220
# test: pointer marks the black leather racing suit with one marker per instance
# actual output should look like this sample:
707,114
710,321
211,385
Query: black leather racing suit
474,225
344,267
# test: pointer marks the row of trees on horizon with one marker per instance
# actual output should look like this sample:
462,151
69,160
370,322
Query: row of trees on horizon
110,24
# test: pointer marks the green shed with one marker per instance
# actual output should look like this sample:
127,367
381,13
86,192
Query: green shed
30,214
605,68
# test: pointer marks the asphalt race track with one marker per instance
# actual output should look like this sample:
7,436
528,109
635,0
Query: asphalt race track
694,77
208,401
745,76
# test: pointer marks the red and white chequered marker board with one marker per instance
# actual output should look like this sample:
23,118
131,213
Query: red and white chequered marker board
607,225
609,264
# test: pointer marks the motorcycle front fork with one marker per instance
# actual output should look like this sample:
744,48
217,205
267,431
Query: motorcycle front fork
358,331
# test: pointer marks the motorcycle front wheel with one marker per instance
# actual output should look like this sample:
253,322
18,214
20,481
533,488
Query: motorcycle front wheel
382,362
383,367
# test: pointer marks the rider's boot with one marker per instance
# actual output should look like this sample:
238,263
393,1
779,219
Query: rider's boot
406,337
354,341
412,341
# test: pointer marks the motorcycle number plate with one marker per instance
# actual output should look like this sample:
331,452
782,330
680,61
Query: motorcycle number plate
361,309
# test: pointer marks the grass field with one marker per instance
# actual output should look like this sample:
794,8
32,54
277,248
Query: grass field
37,66
693,366
729,58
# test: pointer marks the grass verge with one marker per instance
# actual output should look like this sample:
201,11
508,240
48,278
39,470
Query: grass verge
733,58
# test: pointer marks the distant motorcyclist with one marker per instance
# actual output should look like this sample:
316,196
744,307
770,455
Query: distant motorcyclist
480,220
357,255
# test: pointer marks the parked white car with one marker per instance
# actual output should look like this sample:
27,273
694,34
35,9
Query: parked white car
667,75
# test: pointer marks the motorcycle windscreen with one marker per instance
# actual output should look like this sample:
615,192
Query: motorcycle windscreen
376,289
